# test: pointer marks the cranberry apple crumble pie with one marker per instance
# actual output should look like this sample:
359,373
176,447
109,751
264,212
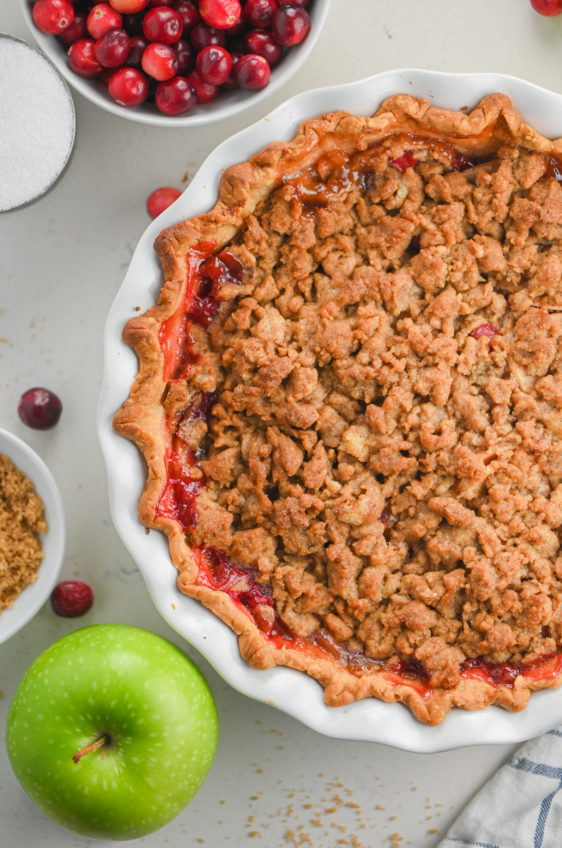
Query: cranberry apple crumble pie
349,400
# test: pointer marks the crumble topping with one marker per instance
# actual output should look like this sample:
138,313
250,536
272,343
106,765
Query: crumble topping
384,449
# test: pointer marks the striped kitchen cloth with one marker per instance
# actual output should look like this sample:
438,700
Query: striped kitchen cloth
520,806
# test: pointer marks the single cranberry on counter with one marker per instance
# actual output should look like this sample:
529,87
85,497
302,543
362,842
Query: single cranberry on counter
204,36
160,61
101,19
220,14
188,12
112,49
81,58
160,199
205,91
71,598
53,16
128,87
39,408
128,7
290,25
213,64
185,56
162,23
175,96
547,7
75,31
262,44
251,72
260,12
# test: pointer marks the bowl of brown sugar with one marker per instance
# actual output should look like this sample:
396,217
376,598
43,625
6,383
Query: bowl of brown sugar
32,533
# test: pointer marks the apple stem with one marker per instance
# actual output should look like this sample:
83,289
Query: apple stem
94,746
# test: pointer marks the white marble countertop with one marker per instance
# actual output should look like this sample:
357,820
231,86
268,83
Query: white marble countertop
61,263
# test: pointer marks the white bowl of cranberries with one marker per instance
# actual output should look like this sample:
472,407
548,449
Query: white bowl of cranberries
176,62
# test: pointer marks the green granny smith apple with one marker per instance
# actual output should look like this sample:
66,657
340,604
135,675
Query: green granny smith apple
112,731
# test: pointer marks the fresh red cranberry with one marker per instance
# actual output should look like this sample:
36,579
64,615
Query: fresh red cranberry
188,12
160,2
303,3
128,87
81,58
39,408
101,19
160,199
133,24
204,91
213,64
230,83
238,28
204,36
262,44
251,72
547,7
220,14
290,25
175,97
112,49
160,61
75,30
260,12
53,16
71,598
137,46
185,56
128,7
162,23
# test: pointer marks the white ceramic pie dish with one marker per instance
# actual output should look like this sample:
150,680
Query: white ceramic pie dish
292,691
30,601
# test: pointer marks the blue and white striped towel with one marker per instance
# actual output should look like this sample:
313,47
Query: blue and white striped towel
521,806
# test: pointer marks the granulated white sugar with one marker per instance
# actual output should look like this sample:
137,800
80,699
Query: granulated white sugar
37,123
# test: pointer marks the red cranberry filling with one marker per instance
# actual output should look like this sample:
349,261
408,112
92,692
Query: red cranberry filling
485,330
388,518
461,162
206,273
407,160
218,572
178,500
554,167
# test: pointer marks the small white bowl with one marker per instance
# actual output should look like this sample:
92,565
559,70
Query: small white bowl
34,596
226,105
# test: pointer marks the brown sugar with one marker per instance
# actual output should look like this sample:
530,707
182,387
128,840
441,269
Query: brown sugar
21,522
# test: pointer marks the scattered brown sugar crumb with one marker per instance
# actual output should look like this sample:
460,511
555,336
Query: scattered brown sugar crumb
21,522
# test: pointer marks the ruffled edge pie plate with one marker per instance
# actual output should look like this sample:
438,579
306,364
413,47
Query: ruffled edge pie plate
240,188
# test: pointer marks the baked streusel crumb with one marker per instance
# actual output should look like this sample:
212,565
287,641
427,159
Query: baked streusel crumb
384,448
368,417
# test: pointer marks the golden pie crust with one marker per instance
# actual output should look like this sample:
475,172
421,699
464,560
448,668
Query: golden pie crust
384,452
